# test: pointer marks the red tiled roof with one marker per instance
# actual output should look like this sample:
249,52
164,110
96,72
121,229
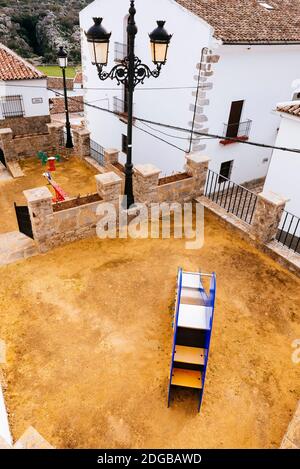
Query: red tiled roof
58,105
78,78
13,67
247,21
291,108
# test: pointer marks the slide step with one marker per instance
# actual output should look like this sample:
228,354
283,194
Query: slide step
192,296
191,281
191,355
186,378
194,316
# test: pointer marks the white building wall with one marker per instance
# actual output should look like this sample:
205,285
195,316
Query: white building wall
261,76
169,106
284,172
32,91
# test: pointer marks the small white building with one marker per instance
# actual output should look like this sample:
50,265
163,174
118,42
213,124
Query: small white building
284,171
24,103
228,63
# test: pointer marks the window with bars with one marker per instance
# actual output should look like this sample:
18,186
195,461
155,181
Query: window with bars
12,106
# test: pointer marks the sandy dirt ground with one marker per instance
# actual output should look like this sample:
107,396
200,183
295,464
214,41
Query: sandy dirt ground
88,333
74,176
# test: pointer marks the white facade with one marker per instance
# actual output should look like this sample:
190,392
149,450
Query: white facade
284,172
259,75
163,105
33,92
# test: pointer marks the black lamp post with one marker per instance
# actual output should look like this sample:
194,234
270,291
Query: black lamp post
130,72
63,63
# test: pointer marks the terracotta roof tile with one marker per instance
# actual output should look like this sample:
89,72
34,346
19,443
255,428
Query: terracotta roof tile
58,105
291,108
78,77
13,67
247,21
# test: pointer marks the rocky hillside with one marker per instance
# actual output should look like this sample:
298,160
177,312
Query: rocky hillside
34,28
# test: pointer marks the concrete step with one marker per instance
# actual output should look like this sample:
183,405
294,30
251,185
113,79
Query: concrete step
15,169
31,439
15,246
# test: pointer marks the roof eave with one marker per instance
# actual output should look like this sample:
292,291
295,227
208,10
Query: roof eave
259,43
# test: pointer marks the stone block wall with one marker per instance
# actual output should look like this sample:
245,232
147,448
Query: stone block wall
268,213
26,125
51,229
147,186
22,146
205,70
81,142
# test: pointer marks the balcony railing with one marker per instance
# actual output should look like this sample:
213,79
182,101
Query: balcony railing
119,105
232,197
239,131
97,152
289,231
12,106
120,51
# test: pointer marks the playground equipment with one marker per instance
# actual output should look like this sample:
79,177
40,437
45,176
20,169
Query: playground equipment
44,158
193,321
60,194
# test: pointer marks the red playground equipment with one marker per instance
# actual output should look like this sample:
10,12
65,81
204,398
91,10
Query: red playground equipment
60,194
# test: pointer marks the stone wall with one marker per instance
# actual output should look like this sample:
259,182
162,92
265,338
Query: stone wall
26,125
17,147
147,186
53,228
200,98
268,213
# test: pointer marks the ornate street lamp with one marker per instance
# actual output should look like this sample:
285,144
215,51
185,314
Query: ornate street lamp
62,58
130,72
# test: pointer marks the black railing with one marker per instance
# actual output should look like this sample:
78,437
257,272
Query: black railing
232,197
289,231
12,106
97,152
120,51
238,129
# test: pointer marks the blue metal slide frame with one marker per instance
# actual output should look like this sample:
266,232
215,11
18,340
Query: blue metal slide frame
179,286
209,302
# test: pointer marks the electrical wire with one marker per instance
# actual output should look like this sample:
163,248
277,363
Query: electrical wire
159,138
176,136
183,129
201,134
166,88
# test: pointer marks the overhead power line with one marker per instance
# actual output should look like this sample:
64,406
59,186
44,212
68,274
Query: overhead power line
200,134
183,129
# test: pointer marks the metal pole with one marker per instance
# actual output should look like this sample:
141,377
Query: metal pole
131,33
69,142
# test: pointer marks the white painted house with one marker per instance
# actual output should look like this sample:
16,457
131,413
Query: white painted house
23,94
284,171
230,59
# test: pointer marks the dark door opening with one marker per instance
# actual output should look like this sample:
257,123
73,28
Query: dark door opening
124,144
234,119
225,171
2,159
23,218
